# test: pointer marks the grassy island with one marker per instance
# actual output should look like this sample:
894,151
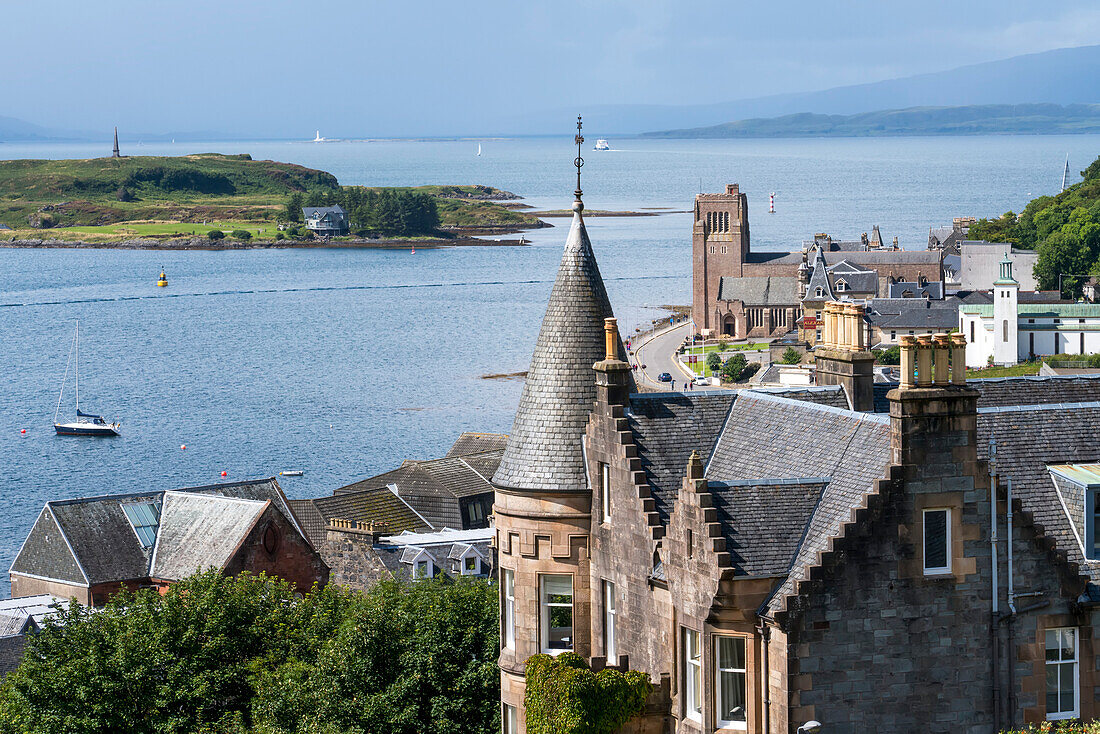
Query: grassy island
103,200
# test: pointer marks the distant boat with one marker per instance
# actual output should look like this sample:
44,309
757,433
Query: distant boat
479,148
601,144
291,473
86,424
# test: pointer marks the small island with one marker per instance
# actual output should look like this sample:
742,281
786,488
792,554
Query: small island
216,201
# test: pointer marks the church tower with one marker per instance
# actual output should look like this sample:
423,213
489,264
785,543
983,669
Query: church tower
543,502
1006,291
719,248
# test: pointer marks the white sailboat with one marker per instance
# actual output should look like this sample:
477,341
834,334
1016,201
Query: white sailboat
479,149
86,424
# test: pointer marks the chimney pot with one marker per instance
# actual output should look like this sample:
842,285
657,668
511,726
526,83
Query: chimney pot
611,330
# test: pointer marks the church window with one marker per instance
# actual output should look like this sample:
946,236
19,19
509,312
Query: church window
712,249
508,590
726,221
729,665
937,541
1061,673
972,331
723,249
1004,329
557,613
605,492
610,648
693,674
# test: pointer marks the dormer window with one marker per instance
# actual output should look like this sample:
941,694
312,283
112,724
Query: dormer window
819,292
423,569
841,285
1079,486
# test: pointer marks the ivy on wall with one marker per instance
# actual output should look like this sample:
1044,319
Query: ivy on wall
564,696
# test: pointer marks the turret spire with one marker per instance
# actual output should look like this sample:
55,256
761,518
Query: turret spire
578,205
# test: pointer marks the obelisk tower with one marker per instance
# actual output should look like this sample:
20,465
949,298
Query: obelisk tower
116,154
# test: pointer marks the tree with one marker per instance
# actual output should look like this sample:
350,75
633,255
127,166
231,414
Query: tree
791,356
241,234
123,194
890,355
734,367
215,234
293,210
564,696
714,362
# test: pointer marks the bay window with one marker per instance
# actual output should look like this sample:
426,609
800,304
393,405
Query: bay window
1061,670
508,720
729,684
556,601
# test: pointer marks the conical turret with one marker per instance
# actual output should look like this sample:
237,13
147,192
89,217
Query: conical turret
544,448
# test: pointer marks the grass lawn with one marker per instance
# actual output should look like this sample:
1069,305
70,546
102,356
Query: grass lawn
750,347
1019,370
258,229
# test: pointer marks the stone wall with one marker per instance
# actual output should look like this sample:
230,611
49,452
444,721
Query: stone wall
275,547
350,553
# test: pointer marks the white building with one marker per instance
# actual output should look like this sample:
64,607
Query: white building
1008,332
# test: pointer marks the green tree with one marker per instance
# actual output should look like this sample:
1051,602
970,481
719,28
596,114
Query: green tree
292,212
734,367
791,356
564,696
714,362
241,234
215,234
890,355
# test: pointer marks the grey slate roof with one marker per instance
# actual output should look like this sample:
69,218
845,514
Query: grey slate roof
932,289
914,313
831,395
764,521
379,505
759,290
819,278
1004,391
311,520
200,531
856,279
772,437
544,446
475,443
88,541
667,428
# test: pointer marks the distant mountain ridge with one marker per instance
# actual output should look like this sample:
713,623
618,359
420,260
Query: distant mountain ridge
963,120
1065,76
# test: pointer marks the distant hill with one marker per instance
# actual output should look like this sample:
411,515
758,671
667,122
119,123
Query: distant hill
1066,76
965,120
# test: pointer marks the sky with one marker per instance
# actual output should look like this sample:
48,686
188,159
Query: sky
361,68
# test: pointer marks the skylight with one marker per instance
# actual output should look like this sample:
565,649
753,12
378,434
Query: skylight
144,517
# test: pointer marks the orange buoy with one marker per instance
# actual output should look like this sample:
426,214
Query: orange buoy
183,447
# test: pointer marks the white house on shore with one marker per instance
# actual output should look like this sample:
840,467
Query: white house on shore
1007,332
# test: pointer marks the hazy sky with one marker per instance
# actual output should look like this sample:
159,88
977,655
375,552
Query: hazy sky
366,68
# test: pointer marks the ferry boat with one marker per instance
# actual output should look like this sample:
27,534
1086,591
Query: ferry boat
601,144
86,424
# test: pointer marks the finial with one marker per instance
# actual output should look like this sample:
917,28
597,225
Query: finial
578,205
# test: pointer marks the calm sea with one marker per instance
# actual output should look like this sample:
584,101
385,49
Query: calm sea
343,363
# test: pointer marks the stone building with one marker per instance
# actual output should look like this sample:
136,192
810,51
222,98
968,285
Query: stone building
745,294
838,553
91,547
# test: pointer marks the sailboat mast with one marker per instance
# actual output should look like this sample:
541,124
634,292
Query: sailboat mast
1065,173
64,379
76,342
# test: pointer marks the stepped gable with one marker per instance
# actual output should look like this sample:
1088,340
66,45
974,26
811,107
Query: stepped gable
768,437
544,447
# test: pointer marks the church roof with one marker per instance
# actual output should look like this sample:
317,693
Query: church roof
544,446
769,290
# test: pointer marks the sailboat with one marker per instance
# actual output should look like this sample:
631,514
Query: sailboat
86,424
479,148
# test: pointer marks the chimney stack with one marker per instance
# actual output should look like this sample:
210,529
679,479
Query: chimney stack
843,358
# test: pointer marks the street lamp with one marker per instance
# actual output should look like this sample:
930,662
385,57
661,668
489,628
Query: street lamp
810,727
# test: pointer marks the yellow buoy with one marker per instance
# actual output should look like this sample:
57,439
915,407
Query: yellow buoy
163,281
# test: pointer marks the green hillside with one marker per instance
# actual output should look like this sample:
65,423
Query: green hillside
1064,228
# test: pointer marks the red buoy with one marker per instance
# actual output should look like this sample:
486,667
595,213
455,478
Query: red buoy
183,447
225,473
24,430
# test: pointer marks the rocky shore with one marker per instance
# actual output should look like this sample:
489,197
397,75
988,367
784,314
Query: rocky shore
202,243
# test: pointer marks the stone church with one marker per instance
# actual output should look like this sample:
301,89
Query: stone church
744,294
876,558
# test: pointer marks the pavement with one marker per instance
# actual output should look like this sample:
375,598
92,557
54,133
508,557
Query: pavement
658,353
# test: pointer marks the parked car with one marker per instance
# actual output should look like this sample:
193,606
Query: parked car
700,380
664,377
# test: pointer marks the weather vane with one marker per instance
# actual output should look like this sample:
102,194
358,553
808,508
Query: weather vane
579,140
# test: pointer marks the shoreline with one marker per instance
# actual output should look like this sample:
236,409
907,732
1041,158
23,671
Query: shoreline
202,243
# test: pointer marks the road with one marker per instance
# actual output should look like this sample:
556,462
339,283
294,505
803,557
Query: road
658,354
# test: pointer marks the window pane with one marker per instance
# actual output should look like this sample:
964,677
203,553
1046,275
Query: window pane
935,539
1052,644
559,586
1052,689
731,652
732,696
1065,687
1069,649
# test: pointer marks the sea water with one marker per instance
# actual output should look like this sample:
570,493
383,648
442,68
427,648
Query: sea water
343,363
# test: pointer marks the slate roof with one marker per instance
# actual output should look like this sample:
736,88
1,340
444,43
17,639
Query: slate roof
858,256
762,541
819,278
380,505
321,211
434,487
932,289
200,531
1029,438
831,395
1005,391
858,280
850,450
89,540
28,613
475,443
311,520
667,428
913,313
759,290
544,446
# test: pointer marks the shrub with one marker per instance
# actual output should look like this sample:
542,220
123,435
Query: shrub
890,355
733,367
723,345
791,356
1061,727
1094,361
124,194
279,236
241,234
564,696
714,362
215,234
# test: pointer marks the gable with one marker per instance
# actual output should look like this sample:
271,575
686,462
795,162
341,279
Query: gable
46,553
199,532
102,538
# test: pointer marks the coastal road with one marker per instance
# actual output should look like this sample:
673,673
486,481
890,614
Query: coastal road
658,353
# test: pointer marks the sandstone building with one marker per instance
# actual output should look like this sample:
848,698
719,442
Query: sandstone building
745,294
879,558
